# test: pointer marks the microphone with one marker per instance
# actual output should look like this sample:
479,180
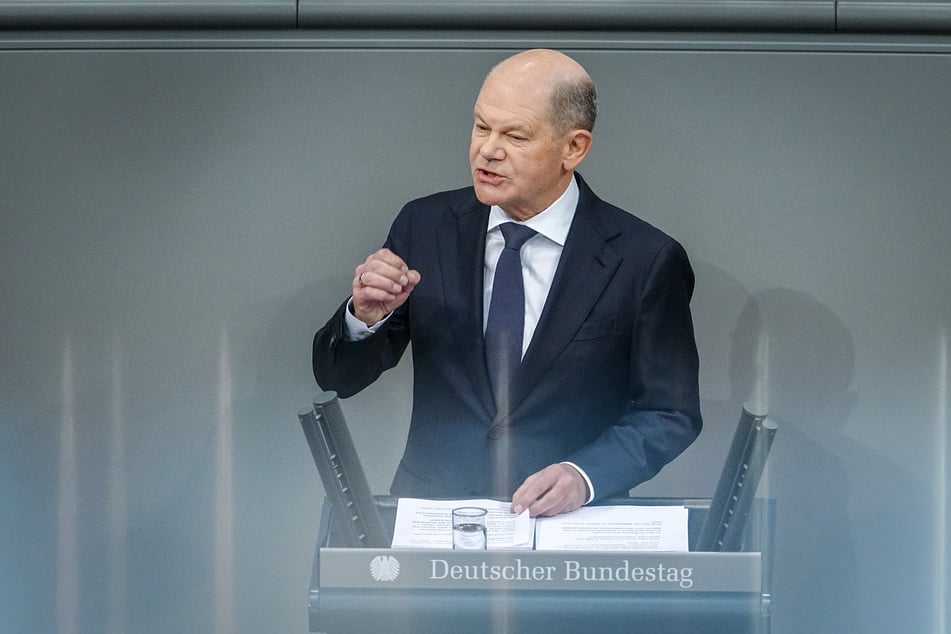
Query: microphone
745,463
356,514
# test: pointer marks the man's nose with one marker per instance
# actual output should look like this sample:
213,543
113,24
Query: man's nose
492,149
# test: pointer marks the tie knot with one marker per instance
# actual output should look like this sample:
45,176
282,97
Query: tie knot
516,235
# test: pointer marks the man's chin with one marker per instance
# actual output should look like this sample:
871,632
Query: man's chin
487,194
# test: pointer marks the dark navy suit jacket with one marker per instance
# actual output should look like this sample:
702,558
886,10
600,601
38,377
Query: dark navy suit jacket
609,380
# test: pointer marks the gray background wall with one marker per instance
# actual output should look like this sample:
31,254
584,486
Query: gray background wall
179,213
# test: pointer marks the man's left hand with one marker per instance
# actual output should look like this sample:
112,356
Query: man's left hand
557,488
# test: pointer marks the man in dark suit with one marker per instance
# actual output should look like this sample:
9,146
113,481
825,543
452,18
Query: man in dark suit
591,386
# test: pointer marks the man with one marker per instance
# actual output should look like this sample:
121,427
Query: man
603,391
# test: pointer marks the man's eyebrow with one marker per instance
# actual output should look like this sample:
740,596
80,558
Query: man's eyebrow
506,127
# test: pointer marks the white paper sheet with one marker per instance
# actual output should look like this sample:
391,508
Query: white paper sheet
428,524
617,528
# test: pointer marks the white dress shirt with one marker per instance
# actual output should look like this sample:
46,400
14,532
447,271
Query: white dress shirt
540,255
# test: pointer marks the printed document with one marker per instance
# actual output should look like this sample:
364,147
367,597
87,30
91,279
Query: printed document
428,524
615,528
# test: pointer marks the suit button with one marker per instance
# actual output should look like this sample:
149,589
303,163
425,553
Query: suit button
495,432
475,493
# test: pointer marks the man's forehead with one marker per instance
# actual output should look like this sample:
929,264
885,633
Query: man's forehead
518,114
515,92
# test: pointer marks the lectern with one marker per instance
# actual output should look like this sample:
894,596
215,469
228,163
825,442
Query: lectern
359,590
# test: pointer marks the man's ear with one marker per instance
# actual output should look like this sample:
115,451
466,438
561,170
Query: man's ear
578,143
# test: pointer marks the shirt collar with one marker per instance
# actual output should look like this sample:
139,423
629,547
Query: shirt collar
553,223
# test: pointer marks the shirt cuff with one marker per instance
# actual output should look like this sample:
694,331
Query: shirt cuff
584,475
354,329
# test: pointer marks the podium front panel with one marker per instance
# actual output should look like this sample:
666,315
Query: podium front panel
357,590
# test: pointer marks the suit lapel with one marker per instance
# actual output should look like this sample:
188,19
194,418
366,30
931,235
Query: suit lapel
462,250
586,266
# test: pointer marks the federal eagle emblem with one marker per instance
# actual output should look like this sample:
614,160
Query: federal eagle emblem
384,568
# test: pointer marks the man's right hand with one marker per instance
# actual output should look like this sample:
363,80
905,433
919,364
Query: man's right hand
380,285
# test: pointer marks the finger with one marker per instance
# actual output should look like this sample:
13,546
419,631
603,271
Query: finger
534,487
386,260
559,499
386,272
385,255
553,501
373,282
371,278
556,489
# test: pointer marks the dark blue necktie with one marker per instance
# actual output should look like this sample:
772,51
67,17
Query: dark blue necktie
506,322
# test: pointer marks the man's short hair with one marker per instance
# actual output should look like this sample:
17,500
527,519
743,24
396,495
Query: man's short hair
574,104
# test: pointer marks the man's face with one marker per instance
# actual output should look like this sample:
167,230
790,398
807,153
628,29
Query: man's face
516,157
